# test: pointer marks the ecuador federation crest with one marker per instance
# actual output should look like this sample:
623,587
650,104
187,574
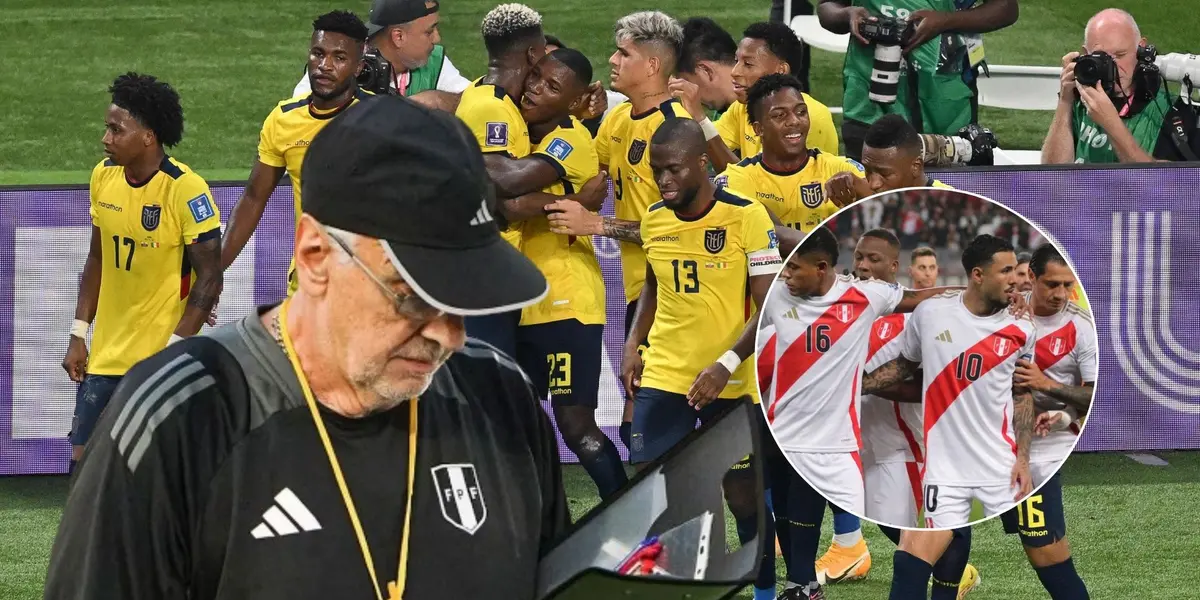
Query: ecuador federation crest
714,240
151,215
460,496
811,195
637,149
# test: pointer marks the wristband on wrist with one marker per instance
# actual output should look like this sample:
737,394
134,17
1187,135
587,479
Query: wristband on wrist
79,329
710,130
730,361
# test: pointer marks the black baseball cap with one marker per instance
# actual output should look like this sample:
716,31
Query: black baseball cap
413,177
385,13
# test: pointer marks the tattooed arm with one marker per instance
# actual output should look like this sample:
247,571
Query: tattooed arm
205,258
1023,420
1078,397
888,375
570,218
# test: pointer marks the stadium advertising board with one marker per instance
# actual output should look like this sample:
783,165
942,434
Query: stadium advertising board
1130,232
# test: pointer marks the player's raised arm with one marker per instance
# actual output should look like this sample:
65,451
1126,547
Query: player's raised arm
76,360
888,375
571,218
1078,397
643,319
912,298
248,211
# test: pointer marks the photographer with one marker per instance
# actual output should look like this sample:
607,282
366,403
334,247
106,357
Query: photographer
1113,104
920,64
407,56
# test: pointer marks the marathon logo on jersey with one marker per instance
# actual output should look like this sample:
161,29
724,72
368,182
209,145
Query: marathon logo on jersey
811,195
151,215
497,134
201,207
1058,346
559,149
844,312
636,151
460,495
714,240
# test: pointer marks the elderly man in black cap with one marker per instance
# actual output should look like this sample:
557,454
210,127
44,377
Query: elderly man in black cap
350,442
406,34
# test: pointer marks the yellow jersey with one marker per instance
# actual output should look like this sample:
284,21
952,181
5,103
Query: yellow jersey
623,144
797,198
145,275
284,139
703,265
496,122
568,262
738,134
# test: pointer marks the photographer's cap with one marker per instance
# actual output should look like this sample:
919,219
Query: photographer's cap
413,177
385,13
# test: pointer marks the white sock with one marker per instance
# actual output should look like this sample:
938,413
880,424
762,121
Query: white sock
846,540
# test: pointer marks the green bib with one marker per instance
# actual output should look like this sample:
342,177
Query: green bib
1092,144
426,77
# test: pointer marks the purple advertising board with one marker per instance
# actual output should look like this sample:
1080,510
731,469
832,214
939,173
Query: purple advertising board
1131,234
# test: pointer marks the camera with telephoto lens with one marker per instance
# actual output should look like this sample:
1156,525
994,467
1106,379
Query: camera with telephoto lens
887,34
376,74
1094,68
971,147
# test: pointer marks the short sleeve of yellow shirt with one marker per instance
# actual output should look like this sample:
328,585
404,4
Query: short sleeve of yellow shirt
730,126
269,152
194,207
603,141
494,120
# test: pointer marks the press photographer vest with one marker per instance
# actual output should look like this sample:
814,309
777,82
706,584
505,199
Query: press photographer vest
426,77
1092,144
945,97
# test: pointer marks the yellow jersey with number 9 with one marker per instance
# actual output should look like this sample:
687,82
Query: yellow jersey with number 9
797,197
569,263
145,275
496,122
738,134
623,143
702,266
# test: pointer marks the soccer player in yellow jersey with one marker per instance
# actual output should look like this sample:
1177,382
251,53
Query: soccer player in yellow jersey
892,158
334,60
787,177
559,341
765,48
153,271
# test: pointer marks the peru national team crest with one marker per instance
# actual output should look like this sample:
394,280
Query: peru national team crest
1002,346
637,150
811,195
460,496
843,312
1058,346
714,240
151,215
886,330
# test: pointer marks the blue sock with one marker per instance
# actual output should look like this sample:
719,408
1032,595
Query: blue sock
844,522
948,570
770,503
1062,581
764,593
605,468
624,431
910,576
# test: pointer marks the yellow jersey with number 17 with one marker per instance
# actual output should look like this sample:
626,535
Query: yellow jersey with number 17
623,143
738,134
568,262
145,276
284,139
797,197
496,122
702,265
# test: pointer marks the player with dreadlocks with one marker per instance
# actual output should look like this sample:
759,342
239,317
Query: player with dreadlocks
150,214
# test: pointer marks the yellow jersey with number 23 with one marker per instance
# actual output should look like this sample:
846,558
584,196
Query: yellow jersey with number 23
702,265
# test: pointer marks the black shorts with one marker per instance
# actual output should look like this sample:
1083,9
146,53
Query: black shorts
563,359
499,330
662,419
1039,520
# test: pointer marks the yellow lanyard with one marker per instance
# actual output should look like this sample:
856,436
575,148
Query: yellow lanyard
395,590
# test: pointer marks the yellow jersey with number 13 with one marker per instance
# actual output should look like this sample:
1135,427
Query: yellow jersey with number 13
702,265
496,122
623,143
145,276
568,262
797,198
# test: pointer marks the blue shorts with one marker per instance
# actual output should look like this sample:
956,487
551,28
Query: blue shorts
1040,519
563,359
499,330
90,399
661,420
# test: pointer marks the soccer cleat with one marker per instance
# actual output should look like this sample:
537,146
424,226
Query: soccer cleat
844,563
811,591
970,580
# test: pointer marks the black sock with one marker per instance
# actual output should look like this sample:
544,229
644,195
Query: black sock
1062,581
623,432
71,466
605,467
892,533
948,570
783,529
806,509
910,576
747,529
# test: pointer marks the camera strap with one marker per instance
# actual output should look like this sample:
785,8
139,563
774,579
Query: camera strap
1178,123
914,99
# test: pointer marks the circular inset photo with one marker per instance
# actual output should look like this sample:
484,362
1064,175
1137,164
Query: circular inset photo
926,361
